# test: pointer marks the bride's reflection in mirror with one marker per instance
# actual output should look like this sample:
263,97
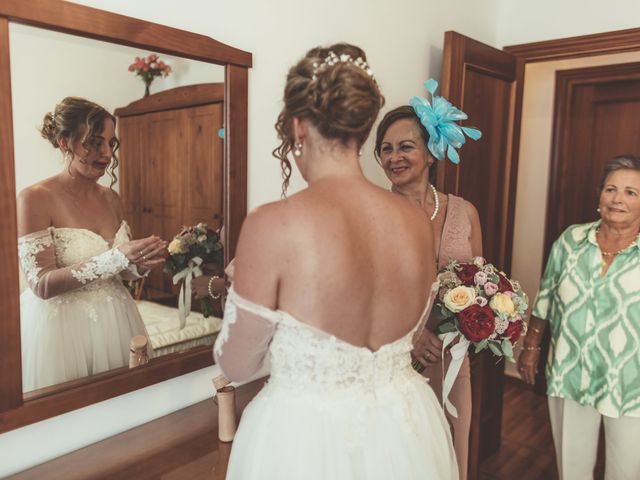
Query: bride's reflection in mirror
169,175
75,247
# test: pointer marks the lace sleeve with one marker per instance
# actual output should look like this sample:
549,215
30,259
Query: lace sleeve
131,272
243,342
38,261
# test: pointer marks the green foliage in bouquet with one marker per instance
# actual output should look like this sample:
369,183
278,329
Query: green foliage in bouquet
193,243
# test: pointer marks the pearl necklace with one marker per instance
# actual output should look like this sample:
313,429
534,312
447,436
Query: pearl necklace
613,254
436,202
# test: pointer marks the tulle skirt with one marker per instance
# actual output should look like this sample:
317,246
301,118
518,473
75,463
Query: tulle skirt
386,433
80,333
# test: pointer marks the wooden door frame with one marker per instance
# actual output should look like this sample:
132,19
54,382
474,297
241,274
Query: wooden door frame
607,43
566,82
463,56
457,47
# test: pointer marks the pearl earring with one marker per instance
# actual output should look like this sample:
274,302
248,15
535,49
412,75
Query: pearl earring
298,151
598,209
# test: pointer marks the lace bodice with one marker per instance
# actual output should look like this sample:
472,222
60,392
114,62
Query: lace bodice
330,409
311,359
58,260
307,358
75,245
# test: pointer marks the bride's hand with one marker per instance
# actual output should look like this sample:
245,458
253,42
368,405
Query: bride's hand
145,253
427,348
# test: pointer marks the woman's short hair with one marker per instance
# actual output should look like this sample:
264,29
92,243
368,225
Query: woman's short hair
621,162
341,99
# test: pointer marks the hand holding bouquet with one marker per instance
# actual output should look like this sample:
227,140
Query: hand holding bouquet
188,251
477,304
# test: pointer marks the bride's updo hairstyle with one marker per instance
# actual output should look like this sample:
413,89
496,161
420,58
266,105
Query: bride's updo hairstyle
335,90
76,118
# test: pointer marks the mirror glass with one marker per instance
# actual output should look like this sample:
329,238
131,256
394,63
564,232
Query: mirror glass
80,306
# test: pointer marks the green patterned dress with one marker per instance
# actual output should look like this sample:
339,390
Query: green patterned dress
595,323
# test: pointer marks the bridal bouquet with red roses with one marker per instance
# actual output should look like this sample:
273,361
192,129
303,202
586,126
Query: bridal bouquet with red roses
479,302
477,305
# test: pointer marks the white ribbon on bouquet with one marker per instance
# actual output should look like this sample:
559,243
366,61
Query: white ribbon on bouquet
457,352
184,300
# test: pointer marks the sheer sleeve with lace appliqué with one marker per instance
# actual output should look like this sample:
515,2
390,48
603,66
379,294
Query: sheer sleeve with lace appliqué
243,342
131,273
37,252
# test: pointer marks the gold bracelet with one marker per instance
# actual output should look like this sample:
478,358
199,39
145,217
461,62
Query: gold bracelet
532,349
217,295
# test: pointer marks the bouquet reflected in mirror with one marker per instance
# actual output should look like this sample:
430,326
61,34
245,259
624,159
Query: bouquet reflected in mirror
189,251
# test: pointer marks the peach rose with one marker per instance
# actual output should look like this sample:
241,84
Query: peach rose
459,298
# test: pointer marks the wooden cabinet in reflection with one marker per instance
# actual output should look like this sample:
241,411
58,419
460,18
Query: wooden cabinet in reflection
171,165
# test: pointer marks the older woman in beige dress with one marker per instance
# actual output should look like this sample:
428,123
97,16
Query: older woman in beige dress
401,148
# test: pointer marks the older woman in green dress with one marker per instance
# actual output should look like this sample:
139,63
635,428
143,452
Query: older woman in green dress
590,297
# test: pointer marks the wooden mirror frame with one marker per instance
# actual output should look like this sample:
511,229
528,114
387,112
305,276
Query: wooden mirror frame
70,18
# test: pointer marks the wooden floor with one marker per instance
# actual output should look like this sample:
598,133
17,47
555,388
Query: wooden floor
526,452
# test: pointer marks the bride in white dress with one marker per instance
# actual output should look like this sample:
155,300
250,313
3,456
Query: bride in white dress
332,283
77,318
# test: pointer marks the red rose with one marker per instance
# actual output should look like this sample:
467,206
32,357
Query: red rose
466,272
476,322
504,285
513,331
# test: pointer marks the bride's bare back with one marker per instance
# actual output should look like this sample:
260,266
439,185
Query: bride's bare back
344,256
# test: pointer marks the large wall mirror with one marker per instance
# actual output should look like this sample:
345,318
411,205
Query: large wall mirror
182,159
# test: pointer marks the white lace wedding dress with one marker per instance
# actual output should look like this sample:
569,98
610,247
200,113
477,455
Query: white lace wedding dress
330,410
77,318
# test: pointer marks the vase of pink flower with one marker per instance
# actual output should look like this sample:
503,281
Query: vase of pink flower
148,68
